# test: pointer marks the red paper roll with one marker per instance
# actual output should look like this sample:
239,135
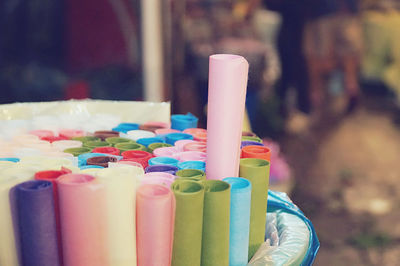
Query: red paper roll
53,138
106,150
141,157
259,152
71,133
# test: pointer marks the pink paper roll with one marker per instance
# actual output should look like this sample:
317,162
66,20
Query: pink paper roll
226,103
180,144
83,220
71,133
165,152
163,131
191,156
159,178
155,225
195,146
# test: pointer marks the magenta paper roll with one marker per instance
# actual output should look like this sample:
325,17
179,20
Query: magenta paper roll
159,178
83,220
155,217
226,103
165,152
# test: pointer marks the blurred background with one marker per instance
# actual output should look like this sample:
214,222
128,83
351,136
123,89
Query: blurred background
323,91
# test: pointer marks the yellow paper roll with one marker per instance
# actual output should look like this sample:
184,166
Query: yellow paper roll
120,184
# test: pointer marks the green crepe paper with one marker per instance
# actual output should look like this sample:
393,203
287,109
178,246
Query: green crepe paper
86,138
127,146
215,243
191,174
96,144
249,138
257,172
78,151
156,145
189,197
115,140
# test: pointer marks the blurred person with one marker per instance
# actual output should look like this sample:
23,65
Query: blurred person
332,39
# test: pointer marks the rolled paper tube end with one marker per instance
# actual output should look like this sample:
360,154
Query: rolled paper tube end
238,184
192,165
138,134
101,160
171,169
153,190
91,167
182,122
215,185
125,127
173,137
10,159
129,146
95,144
254,162
250,143
86,138
157,145
75,179
78,151
103,134
255,151
248,134
187,186
34,185
163,160
191,174
51,175
147,141
247,138
115,140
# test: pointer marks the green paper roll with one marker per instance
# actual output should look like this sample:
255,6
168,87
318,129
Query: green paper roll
215,242
115,140
249,138
257,172
86,138
78,151
96,144
130,147
189,197
157,145
191,174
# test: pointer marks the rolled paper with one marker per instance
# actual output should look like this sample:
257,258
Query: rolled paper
170,169
103,134
141,157
163,160
180,144
226,103
153,126
191,156
83,212
10,159
215,242
182,122
82,158
138,134
147,141
51,139
189,197
125,127
42,133
37,224
247,138
101,160
95,144
65,144
155,208
91,167
123,163
115,140
257,172
86,138
120,187
157,145
78,151
248,134
199,134
173,137
71,133
239,226
195,146
254,151
250,143
161,178
191,174
126,146
165,152
107,150
192,165
164,131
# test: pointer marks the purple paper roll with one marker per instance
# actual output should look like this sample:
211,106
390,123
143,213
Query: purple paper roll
250,143
37,223
170,169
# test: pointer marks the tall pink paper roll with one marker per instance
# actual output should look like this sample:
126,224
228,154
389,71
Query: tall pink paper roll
155,217
226,103
83,220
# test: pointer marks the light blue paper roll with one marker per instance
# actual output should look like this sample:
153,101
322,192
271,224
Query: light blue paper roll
182,122
10,159
163,160
192,165
239,220
90,166
147,141
125,127
171,138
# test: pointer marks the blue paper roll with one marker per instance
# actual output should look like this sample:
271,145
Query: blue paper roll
170,169
171,138
163,160
125,127
90,166
193,165
147,141
182,122
239,221
37,223
10,159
